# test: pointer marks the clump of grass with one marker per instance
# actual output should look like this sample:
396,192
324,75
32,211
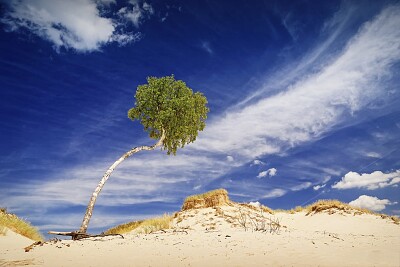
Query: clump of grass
123,228
208,194
333,205
156,224
328,204
212,198
17,225
145,226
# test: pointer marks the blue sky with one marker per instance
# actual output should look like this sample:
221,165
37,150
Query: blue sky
304,105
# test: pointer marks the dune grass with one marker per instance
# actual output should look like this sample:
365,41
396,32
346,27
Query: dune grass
2,230
145,226
17,225
208,194
333,205
328,204
124,228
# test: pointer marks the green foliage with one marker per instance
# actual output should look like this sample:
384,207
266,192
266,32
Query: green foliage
168,104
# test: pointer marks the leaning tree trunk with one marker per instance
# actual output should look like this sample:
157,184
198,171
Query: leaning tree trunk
107,174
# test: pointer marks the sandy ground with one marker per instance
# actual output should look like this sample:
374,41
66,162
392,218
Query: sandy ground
211,237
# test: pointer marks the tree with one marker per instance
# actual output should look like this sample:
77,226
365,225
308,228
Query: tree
171,113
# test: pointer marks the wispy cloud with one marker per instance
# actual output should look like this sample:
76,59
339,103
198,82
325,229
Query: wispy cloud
371,203
137,12
301,186
270,172
373,155
75,24
316,104
207,47
323,183
274,193
369,181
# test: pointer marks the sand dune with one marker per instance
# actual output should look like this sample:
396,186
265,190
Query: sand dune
226,235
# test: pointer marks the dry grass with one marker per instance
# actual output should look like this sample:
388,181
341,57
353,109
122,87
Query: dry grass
213,198
332,206
329,205
208,194
17,225
156,224
2,230
145,226
124,228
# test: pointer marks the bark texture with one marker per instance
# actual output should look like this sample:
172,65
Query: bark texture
89,209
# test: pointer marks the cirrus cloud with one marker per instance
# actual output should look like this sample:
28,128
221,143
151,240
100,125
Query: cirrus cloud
328,97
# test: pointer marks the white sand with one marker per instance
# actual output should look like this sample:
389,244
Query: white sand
318,240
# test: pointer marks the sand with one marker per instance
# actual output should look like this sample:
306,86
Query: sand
214,237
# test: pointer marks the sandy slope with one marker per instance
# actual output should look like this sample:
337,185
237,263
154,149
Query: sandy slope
214,237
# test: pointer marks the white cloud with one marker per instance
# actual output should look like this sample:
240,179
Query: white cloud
262,174
230,158
255,204
197,187
318,187
257,162
323,183
371,203
73,24
302,186
274,193
369,181
136,12
270,172
373,155
312,106
124,39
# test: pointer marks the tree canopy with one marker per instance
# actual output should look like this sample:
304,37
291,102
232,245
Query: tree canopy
169,105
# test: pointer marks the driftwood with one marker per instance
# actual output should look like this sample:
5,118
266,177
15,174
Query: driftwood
28,248
78,235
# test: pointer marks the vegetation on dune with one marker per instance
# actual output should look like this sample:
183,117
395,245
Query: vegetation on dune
123,228
156,224
213,198
144,226
208,194
332,206
17,225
